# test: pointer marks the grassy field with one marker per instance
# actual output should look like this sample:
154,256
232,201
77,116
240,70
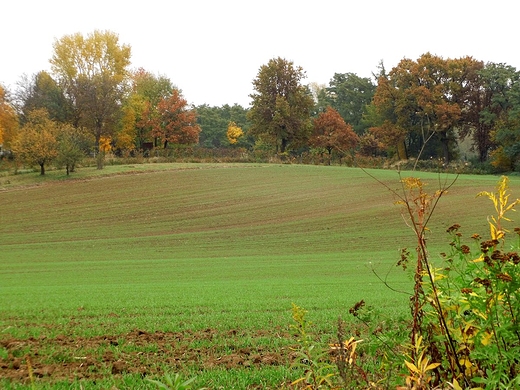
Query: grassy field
107,277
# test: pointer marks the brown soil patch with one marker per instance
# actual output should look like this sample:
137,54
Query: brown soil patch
138,352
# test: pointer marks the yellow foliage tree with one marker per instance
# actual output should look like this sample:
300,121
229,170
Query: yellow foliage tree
93,70
37,143
234,133
125,138
105,144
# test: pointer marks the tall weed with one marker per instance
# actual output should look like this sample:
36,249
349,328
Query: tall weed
465,311
463,330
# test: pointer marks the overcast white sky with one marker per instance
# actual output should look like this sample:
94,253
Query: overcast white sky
213,49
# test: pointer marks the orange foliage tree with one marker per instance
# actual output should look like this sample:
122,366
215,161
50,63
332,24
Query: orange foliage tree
8,120
105,144
332,133
420,98
391,137
175,122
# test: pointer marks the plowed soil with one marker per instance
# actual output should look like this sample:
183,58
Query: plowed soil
138,352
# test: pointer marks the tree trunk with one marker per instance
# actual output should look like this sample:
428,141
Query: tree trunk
482,155
100,160
481,138
42,169
445,146
401,150
283,146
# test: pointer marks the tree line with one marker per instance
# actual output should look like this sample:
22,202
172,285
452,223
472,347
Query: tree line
92,103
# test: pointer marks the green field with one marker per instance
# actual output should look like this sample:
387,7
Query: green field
193,268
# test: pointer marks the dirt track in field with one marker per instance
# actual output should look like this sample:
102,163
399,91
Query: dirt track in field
137,352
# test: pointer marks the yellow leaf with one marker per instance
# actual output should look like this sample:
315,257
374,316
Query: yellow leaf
479,259
297,381
456,385
432,366
411,367
493,231
480,314
486,340
465,362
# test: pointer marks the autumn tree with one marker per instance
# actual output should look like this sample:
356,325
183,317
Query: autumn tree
176,123
8,120
420,96
332,133
105,144
147,90
281,105
386,127
370,145
126,136
93,72
234,133
37,142
391,137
